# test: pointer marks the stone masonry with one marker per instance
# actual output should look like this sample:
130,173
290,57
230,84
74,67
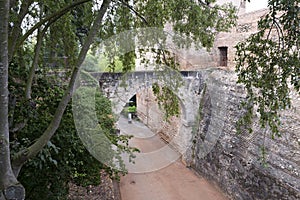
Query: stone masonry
234,161
153,116
119,88
192,59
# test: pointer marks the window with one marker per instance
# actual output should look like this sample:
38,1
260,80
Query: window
223,56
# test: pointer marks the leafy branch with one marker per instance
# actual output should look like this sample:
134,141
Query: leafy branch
268,66
167,100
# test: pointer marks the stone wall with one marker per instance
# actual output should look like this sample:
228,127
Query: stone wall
235,161
193,59
246,25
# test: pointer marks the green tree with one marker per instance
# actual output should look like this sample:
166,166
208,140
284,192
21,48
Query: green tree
50,37
64,158
12,52
268,64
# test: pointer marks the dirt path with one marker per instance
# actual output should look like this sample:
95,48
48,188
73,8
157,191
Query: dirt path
173,182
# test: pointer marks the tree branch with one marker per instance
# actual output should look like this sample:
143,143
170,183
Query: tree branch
279,34
34,63
135,12
205,4
21,157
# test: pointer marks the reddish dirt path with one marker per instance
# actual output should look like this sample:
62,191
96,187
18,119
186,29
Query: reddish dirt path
174,182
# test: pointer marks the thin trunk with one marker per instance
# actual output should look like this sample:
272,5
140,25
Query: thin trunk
34,65
9,186
23,156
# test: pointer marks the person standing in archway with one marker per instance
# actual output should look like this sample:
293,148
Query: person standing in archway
131,111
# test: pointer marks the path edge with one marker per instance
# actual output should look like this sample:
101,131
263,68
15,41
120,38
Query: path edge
116,189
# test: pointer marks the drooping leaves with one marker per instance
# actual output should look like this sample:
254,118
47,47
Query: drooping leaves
268,64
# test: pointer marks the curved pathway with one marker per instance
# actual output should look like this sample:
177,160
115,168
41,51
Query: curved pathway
173,182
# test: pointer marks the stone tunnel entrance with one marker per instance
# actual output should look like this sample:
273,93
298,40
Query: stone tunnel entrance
148,112
152,115
120,88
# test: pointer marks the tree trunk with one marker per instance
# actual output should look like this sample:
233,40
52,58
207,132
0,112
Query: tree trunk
9,187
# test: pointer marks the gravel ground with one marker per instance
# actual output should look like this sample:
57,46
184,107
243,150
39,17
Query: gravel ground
104,191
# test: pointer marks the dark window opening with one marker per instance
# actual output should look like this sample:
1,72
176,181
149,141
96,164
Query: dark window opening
223,56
